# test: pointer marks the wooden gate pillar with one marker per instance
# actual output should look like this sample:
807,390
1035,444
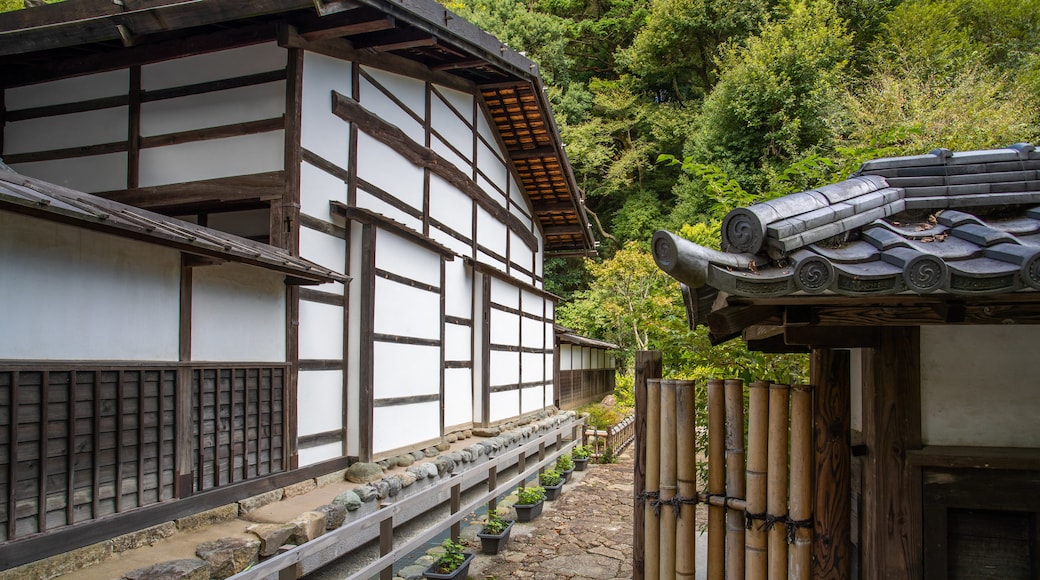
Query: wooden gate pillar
832,541
648,366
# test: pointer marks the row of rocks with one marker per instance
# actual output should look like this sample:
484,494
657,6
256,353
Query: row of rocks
220,559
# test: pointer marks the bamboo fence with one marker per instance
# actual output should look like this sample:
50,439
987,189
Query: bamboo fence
759,487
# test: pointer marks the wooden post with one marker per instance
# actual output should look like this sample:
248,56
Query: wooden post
891,516
801,481
833,456
756,544
386,544
651,526
686,476
716,479
776,479
735,485
647,366
667,483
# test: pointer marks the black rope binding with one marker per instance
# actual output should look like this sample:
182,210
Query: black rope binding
792,525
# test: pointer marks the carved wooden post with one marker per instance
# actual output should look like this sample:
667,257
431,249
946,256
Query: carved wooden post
831,516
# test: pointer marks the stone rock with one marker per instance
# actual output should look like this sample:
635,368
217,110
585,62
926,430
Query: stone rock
418,455
229,556
366,493
430,470
186,569
391,461
207,518
395,485
309,525
418,470
334,477
451,438
405,460
443,446
413,572
443,464
364,472
455,456
383,464
467,433
487,431
608,401
382,488
145,537
334,515
300,488
349,500
430,452
407,478
258,501
271,536
467,455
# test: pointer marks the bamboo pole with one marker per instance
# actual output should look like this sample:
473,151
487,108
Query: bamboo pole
668,483
652,528
756,547
686,475
776,480
801,480
648,366
716,479
735,486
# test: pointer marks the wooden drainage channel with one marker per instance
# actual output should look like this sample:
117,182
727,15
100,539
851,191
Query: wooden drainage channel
448,490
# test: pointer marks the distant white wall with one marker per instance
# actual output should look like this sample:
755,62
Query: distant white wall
405,425
978,386
238,314
69,293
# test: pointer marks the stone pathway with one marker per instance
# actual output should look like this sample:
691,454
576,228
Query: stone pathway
586,534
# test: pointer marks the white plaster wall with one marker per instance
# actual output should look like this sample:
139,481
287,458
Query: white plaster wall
532,367
317,188
532,399
462,102
313,455
491,233
452,128
213,66
533,333
354,339
69,293
505,328
398,255
405,311
320,402
403,370
505,368
457,342
321,331
441,148
370,202
326,250
978,386
213,109
458,397
410,91
400,426
458,289
450,206
494,263
228,157
565,357
505,293
237,314
504,405
66,131
70,90
322,132
493,189
384,168
88,174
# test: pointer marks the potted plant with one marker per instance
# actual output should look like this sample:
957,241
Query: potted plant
494,534
580,455
565,465
529,501
453,563
552,481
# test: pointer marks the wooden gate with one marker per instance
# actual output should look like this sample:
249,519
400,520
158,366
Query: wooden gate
757,489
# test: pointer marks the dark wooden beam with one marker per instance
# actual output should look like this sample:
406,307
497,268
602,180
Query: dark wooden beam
735,319
832,542
376,25
421,156
891,531
833,336
256,187
402,44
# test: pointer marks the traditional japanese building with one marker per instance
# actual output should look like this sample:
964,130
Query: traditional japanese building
242,244
914,286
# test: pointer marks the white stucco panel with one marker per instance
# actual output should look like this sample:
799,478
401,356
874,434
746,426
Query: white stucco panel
213,66
565,357
320,403
458,396
383,167
403,370
458,289
452,128
69,293
533,334
321,331
978,386
410,91
504,405
214,109
401,310
398,255
70,90
317,188
450,206
458,342
402,426
88,174
505,293
532,367
491,233
323,249
532,399
461,102
237,314
505,368
321,131
313,455
372,203
66,131
505,328
228,157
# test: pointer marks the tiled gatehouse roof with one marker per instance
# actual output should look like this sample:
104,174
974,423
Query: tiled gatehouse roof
943,223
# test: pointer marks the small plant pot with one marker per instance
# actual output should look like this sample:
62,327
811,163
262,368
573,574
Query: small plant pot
567,474
490,544
461,572
581,464
526,512
552,492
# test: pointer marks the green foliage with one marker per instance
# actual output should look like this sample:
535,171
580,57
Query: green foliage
624,391
494,524
451,558
549,478
608,456
564,463
581,452
530,495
